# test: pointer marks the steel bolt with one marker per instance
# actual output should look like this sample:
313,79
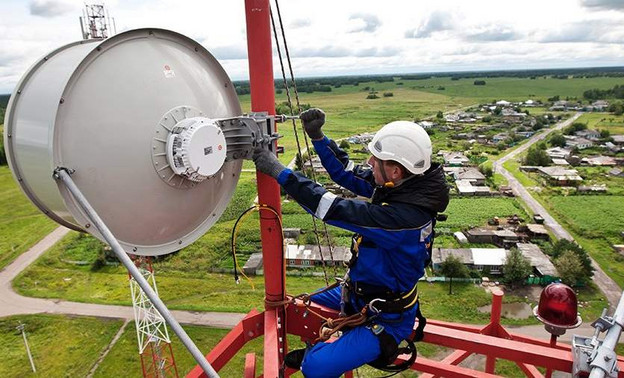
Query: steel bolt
87,225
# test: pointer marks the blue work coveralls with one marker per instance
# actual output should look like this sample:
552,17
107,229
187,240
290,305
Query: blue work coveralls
395,230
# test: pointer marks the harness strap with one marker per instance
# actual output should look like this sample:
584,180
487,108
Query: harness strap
382,300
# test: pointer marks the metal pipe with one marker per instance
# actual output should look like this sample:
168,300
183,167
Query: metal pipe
63,175
610,341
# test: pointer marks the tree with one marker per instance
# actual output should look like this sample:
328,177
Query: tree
536,156
452,267
604,134
439,115
557,140
563,245
570,268
479,82
344,144
517,267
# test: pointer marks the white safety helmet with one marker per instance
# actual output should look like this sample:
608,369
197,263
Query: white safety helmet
405,143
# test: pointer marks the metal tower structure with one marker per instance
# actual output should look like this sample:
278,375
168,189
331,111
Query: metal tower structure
157,359
95,22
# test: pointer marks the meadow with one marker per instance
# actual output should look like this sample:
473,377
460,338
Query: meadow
61,346
21,223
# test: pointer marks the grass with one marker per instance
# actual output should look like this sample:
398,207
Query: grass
62,346
21,224
595,221
465,213
513,166
600,121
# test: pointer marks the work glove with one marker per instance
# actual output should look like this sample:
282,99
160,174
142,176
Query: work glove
267,163
313,119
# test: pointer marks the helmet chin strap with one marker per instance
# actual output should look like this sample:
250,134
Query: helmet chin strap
387,183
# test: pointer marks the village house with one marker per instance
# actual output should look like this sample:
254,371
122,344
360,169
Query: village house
455,159
488,259
558,153
492,260
499,138
529,103
588,134
361,138
618,140
466,188
598,161
502,238
600,105
503,103
578,142
559,176
471,175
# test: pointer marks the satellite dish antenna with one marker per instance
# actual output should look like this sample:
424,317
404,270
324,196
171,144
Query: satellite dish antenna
136,117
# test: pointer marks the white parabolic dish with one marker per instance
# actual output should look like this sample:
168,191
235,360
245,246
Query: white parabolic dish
103,109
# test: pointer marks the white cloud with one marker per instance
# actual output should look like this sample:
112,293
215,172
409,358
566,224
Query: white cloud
364,23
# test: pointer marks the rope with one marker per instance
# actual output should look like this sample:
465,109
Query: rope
305,138
287,88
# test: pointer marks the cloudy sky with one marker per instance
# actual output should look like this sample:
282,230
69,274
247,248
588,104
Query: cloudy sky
335,37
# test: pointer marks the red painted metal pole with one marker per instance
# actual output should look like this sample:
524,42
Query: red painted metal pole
262,88
495,315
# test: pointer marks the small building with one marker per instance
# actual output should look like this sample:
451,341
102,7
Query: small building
559,176
461,238
499,138
426,124
616,172
602,188
503,103
540,262
253,264
537,231
304,256
562,162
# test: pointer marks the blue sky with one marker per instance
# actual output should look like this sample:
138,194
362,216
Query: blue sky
348,37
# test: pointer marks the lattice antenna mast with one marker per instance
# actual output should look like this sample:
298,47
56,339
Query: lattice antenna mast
95,22
153,338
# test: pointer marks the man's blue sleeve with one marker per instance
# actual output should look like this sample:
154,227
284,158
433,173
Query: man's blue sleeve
342,170
382,223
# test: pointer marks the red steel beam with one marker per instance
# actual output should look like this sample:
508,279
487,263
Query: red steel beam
250,365
249,328
262,89
500,348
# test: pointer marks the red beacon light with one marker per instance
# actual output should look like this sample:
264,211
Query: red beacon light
557,309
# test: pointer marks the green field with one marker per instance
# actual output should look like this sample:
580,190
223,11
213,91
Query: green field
21,223
464,213
62,346
601,121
